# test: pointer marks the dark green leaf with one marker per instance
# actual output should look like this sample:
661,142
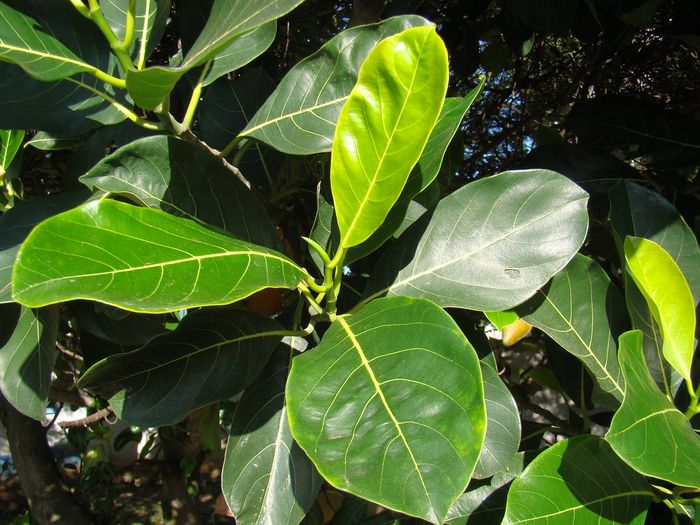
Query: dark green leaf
584,313
550,16
45,141
210,356
490,245
383,128
142,260
390,406
117,326
648,432
27,355
18,222
182,179
639,129
266,477
300,116
579,480
502,429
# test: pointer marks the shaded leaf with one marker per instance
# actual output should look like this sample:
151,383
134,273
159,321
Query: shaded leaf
490,245
578,480
390,406
584,313
182,179
266,477
117,326
638,129
142,260
27,356
550,16
10,143
503,427
210,356
668,298
300,116
16,224
383,128
648,432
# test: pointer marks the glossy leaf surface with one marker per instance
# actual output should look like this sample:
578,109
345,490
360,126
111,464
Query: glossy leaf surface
503,426
27,355
142,260
383,128
490,245
182,179
584,313
300,116
210,356
267,478
668,297
648,432
390,406
579,480
16,224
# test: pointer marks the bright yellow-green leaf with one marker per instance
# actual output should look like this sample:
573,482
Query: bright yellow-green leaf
383,128
667,293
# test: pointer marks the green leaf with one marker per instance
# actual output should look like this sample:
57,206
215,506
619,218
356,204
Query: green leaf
502,319
668,297
27,355
115,325
45,141
550,16
26,39
640,129
648,432
16,224
390,406
503,428
228,20
640,212
181,178
10,143
141,260
490,245
579,480
383,128
151,21
242,50
266,477
210,356
584,313
227,108
300,117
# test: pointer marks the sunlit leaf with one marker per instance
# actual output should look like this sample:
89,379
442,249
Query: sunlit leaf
579,480
390,406
383,128
210,356
648,432
142,260
490,245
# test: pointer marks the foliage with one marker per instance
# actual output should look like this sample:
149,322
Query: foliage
185,205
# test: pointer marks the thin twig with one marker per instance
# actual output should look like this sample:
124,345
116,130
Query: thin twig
89,420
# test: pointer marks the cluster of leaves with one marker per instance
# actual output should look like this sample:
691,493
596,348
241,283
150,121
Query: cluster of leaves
377,392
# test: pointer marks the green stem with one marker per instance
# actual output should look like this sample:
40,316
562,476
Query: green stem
130,27
98,18
133,117
694,405
236,161
109,79
307,294
313,285
319,250
81,8
195,98
229,147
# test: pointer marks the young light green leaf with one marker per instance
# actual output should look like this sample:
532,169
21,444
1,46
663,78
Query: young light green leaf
668,297
503,427
490,245
266,477
390,406
584,313
210,356
27,355
383,128
579,480
182,179
10,143
300,116
142,260
501,319
648,432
